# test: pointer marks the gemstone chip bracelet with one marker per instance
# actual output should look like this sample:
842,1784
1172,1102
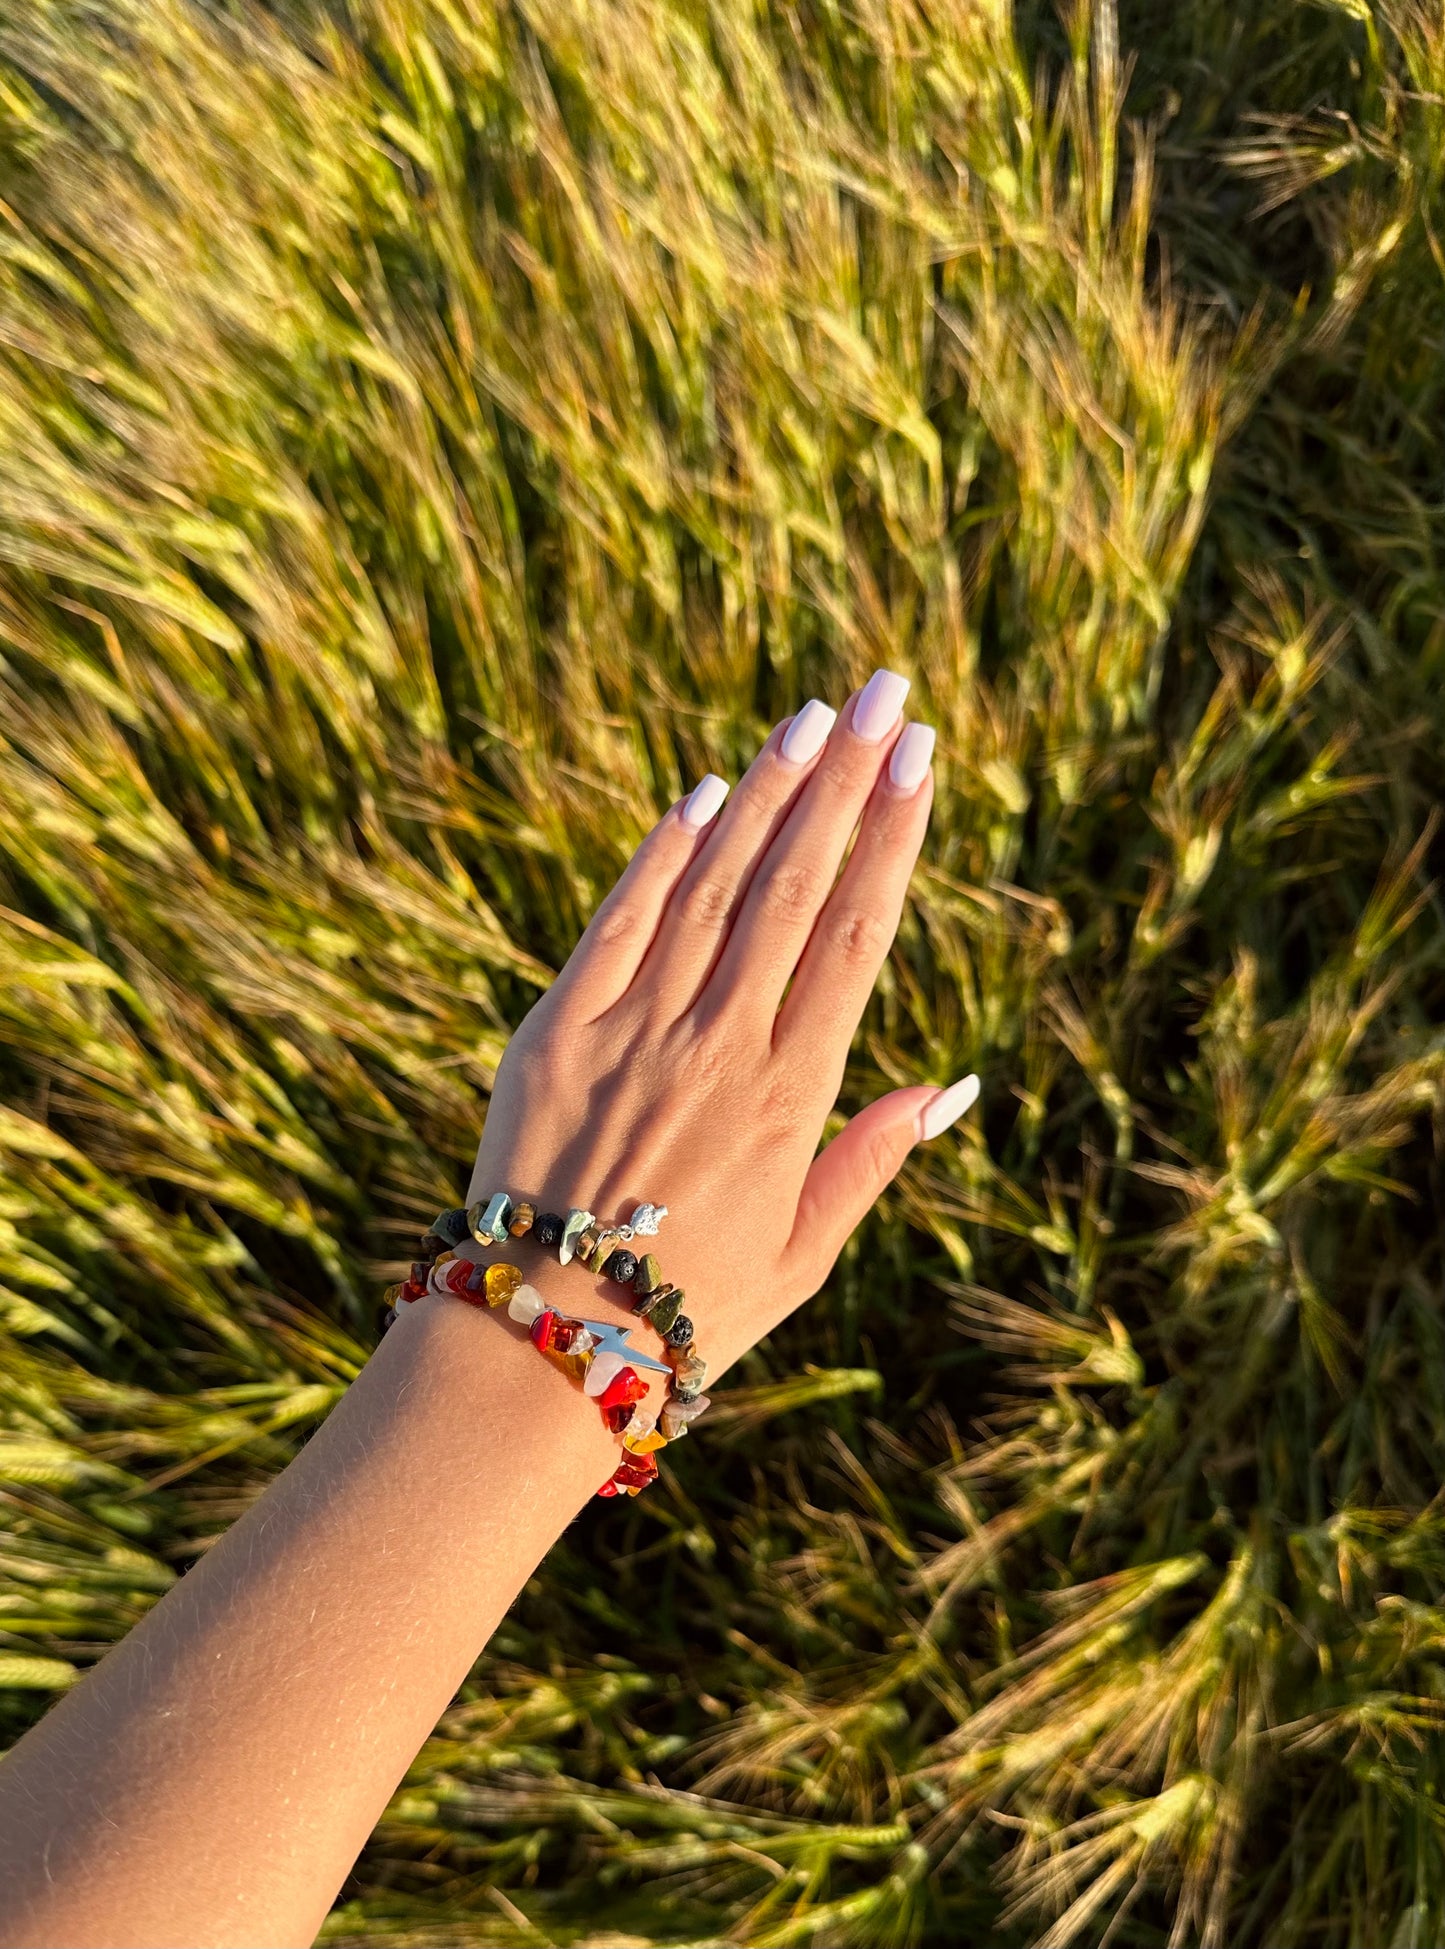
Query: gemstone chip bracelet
598,1355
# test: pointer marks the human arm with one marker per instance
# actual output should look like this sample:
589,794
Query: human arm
214,1779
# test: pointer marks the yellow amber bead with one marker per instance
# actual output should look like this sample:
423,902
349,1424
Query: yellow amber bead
502,1281
644,1444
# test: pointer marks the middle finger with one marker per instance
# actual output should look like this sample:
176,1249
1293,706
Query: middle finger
795,876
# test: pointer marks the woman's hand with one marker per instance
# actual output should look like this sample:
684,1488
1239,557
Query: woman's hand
214,1779
660,1066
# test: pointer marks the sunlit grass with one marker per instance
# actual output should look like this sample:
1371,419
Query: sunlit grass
433,434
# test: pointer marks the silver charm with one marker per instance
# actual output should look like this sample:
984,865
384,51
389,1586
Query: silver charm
645,1220
576,1224
615,1339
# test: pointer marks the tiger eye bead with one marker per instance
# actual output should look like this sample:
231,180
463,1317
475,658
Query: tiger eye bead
547,1228
523,1216
622,1267
680,1332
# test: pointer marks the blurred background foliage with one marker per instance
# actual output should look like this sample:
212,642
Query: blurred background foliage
434,432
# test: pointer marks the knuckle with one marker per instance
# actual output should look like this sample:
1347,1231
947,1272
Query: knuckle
791,893
706,904
614,925
858,936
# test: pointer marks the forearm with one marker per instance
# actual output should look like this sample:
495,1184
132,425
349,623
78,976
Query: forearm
215,1778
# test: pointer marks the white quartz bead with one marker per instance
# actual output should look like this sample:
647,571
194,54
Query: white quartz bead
525,1305
603,1372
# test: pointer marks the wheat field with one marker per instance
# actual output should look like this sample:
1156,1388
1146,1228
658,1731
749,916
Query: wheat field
432,432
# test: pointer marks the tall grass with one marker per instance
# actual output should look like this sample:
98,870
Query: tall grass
434,431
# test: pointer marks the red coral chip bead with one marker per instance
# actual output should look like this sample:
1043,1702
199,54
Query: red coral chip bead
636,1470
411,1290
543,1328
624,1388
618,1419
609,1488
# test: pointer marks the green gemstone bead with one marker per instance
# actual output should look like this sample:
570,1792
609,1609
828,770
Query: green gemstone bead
648,1277
663,1309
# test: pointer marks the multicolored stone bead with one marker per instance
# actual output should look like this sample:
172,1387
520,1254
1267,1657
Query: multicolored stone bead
525,1305
452,1226
603,1246
604,1370
573,1227
676,1414
680,1332
501,1281
462,1277
623,1389
644,1444
585,1242
523,1215
663,1308
489,1222
689,1373
542,1329
622,1266
547,1230
648,1276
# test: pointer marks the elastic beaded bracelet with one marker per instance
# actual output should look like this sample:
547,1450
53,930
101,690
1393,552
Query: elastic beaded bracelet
605,1249
590,1351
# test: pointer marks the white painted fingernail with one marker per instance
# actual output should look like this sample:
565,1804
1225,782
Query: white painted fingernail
947,1107
704,802
912,755
808,732
879,702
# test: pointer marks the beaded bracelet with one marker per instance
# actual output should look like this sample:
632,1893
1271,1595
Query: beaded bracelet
590,1351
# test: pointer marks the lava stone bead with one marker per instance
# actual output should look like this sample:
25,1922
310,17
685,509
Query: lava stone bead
548,1228
622,1267
452,1226
680,1332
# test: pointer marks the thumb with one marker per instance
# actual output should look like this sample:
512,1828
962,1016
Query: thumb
848,1174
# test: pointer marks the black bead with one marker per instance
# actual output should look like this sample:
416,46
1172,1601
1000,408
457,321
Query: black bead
547,1228
680,1332
384,1318
452,1226
622,1267
432,1246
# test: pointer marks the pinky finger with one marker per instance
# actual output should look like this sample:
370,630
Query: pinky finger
600,968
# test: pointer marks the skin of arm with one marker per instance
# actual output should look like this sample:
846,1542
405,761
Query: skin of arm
215,1777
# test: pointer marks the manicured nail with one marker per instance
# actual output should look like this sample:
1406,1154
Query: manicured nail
704,801
911,757
805,736
947,1107
879,702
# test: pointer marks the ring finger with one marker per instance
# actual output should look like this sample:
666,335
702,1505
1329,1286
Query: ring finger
701,906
